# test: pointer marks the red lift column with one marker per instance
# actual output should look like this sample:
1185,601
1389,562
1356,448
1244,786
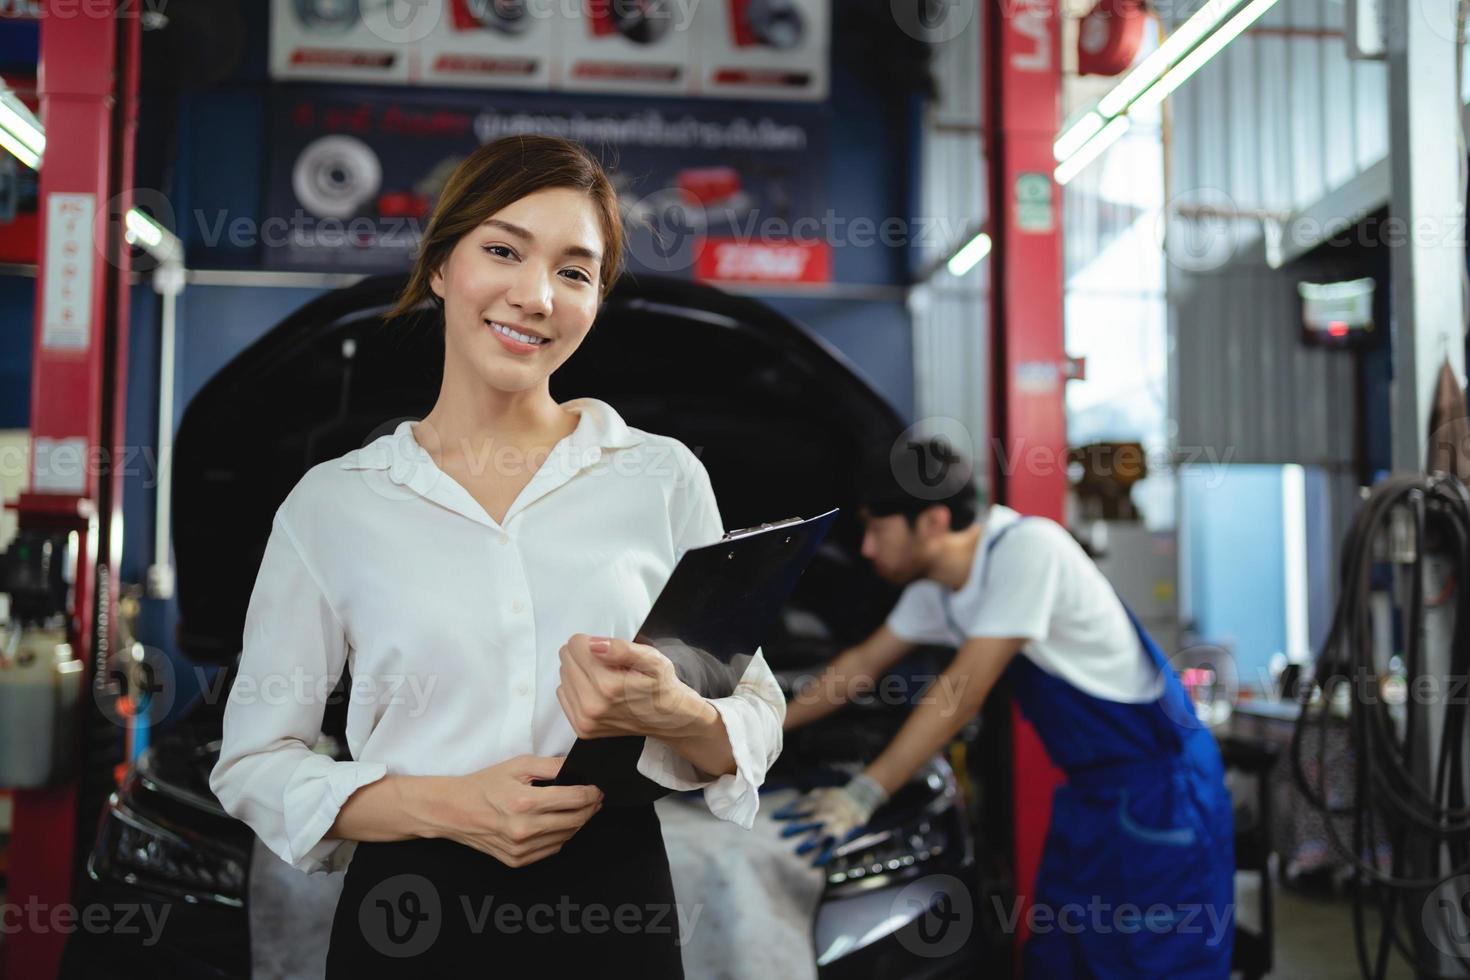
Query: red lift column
88,83
1023,77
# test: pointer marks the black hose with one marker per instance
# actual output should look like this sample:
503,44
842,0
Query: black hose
1388,801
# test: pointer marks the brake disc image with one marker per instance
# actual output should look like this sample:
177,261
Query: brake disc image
328,16
643,21
336,175
503,16
777,23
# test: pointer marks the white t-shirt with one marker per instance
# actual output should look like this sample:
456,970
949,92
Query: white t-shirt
451,624
1040,585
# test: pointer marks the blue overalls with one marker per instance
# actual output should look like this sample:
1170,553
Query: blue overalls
1137,878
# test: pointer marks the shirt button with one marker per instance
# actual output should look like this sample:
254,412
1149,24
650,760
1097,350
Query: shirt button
504,541
517,606
523,689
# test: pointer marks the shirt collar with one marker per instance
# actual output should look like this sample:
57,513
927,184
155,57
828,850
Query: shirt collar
599,428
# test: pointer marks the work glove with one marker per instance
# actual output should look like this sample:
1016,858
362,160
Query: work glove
828,817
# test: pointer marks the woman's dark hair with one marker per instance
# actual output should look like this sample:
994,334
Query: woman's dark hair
497,175
916,475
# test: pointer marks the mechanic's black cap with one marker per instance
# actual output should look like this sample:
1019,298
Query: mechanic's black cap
916,474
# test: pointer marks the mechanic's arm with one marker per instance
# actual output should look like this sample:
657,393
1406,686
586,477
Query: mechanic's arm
853,672
946,706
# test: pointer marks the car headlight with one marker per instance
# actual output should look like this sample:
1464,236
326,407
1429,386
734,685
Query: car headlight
136,850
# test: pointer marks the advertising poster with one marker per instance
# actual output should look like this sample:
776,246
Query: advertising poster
341,40
766,49
736,49
484,43
630,47
718,191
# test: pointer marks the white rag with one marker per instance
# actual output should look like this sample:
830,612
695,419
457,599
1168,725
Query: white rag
755,899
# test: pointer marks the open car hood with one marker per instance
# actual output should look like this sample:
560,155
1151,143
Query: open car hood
778,417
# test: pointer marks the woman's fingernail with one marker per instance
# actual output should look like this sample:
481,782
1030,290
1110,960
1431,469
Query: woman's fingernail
599,646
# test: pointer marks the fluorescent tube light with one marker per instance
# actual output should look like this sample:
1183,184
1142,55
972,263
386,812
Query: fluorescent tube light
1201,55
1076,135
1093,149
1152,68
970,255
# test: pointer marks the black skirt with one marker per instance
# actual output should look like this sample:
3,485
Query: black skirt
434,907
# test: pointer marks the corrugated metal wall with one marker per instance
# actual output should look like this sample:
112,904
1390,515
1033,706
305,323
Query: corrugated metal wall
951,373
1278,119
1245,389
1281,116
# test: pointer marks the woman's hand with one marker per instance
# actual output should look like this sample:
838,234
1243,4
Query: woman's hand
614,687
498,811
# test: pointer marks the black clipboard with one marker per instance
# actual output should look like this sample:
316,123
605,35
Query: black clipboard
716,609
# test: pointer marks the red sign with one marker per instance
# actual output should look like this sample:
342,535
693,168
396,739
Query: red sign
1109,37
734,260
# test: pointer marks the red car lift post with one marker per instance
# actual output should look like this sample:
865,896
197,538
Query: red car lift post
88,84
1023,82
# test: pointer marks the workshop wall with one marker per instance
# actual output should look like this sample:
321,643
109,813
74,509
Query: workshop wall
1281,122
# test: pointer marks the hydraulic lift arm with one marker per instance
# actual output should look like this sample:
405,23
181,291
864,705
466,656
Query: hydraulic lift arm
1023,80
88,81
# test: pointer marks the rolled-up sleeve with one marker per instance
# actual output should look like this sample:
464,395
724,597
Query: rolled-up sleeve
268,775
753,715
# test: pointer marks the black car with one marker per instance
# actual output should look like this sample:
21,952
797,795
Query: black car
781,422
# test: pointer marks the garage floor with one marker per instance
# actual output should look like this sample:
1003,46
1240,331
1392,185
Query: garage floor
1314,935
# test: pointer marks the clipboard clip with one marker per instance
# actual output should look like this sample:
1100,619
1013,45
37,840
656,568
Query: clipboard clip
732,535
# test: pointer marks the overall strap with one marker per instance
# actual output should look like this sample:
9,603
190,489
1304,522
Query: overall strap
946,596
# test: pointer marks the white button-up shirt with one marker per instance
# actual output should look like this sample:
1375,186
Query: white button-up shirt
451,624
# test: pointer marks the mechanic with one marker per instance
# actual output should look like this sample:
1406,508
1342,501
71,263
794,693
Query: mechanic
1143,819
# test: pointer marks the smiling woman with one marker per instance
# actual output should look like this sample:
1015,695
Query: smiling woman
531,294
484,551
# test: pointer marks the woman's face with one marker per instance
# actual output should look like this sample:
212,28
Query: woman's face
531,269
